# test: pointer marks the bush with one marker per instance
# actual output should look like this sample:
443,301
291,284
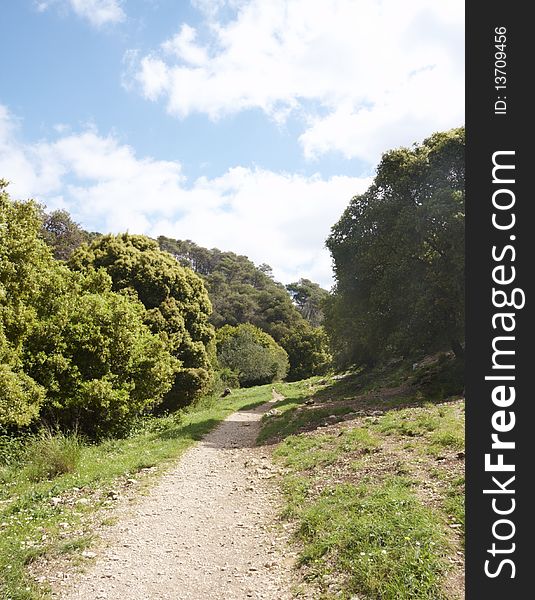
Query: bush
189,385
99,363
49,455
308,351
252,354
176,302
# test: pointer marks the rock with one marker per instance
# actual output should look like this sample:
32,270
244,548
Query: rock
113,495
131,481
309,402
55,500
82,501
274,412
87,554
226,392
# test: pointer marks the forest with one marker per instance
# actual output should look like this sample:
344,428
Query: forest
103,335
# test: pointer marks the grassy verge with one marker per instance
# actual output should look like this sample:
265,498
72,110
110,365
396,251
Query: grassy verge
54,488
374,482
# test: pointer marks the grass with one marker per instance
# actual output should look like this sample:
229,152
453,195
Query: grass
379,536
53,488
51,454
374,484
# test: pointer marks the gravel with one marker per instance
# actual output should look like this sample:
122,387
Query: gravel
207,531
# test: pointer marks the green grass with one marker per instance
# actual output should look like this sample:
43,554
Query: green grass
51,454
386,543
356,490
48,503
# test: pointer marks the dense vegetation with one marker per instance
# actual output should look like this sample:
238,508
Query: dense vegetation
252,356
398,257
241,293
73,351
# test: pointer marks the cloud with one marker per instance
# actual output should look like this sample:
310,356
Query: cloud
279,218
97,12
380,72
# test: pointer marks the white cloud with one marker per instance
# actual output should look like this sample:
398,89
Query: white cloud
278,218
379,72
97,12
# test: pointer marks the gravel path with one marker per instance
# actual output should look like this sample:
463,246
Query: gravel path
205,532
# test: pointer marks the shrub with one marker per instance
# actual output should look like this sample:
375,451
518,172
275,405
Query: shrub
99,363
252,353
20,398
308,351
176,302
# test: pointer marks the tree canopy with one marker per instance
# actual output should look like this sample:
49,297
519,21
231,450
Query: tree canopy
175,298
72,351
398,255
309,297
251,354
242,292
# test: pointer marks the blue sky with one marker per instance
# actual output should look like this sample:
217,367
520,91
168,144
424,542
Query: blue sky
241,124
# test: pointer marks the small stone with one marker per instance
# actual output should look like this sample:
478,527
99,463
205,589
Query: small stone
88,554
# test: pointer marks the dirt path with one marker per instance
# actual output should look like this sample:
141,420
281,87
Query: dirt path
205,532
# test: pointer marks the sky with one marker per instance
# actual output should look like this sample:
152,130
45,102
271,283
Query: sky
246,125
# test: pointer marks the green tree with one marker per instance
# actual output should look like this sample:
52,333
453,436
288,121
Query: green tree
176,302
240,291
308,351
71,350
309,297
398,253
252,354
24,263
62,234
98,361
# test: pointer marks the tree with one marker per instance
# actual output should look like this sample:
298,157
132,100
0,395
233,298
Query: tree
100,364
71,350
308,351
398,253
240,291
252,354
62,234
175,298
24,263
309,297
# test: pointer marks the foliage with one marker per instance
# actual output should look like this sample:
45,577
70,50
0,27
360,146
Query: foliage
100,364
21,398
71,350
398,253
24,263
252,353
62,234
309,297
308,351
176,302
241,293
